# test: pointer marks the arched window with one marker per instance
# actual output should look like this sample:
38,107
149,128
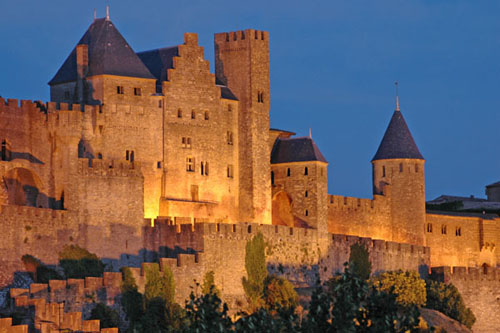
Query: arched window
306,171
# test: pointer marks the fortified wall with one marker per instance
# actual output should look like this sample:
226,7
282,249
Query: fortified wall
480,289
301,255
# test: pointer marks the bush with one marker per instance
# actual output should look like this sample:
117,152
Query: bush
107,316
447,299
255,265
206,313
159,285
40,272
359,261
279,292
79,263
408,286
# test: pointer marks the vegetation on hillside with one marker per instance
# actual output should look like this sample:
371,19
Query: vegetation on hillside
79,263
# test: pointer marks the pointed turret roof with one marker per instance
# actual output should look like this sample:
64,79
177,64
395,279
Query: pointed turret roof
109,53
301,149
398,141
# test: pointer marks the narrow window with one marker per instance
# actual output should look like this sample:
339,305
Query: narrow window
400,167
183,142
416,167
99,156
249,229
307,213
243,35
256,34
158,165
227,37
306,194
229,108
288,172
458,231
5,151
190,164
127,155
429,227
229,137
202,169
272,177
137,91
119,90
188,142
229,171
179,113
443,229
306,171
262,35
193,114
206,168
160,104
383,171
132,156
206,115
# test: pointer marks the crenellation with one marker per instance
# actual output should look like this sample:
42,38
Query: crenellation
55,285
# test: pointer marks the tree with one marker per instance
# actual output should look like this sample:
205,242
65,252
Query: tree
255,265
447,299
209,284
206,313
79,263
132,301
107,316
279,292
41,273
408,286
159,285
359,261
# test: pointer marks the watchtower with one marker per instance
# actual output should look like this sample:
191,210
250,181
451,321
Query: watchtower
242,64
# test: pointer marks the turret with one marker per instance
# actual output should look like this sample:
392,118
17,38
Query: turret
242,64
398,173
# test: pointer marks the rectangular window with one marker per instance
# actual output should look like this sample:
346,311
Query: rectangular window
190,164
158,164
179,113
229,137
206,115
137,91
160,104
186,142
119,90
193,114
229,108
229,171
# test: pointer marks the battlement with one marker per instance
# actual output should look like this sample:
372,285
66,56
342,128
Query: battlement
234,36
379,245
449,274
32,212
341,202
12,104
99,167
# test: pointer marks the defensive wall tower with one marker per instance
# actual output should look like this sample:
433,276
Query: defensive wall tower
242,64
398,173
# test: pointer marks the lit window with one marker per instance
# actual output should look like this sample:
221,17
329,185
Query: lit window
190,164
119,90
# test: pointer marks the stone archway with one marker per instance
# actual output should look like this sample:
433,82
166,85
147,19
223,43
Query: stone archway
23,187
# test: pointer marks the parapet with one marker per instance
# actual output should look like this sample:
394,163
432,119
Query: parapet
235,36
344,203
451,274
378,245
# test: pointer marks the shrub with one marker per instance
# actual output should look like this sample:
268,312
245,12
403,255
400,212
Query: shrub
279,292
44,274
207,313
159,285
208,285
359,261
107,316
128,280
447,299
408,286
255,265
79,263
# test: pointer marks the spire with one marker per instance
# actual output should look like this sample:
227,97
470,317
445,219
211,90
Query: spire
107,13
398,141
397,96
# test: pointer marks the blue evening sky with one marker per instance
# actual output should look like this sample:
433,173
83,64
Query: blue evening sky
333,67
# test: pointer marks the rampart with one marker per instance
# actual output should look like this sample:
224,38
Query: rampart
480,289
302,255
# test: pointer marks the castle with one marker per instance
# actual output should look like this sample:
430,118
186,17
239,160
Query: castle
150,157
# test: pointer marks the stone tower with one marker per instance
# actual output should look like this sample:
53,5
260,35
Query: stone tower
242,64
398,173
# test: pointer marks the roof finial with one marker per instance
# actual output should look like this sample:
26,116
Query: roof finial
95,14
310,134
397,96
107,13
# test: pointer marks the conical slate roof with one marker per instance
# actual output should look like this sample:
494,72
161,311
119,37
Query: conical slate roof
397,141
300,149
109,53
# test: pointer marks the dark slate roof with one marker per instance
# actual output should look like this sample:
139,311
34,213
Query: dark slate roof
158,61
463,214
497,184
109,53
397,141
300,149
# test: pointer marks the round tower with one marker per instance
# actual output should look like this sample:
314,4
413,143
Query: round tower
398,174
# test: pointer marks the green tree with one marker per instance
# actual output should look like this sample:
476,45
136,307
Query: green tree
207,313
107,316
209,284
279,292
447,299
159,284
359,261
280,320
131,300
408,286
79,263
255,265
41,273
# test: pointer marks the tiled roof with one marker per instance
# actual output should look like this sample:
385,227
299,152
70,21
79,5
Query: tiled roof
300,149
109,53
398,141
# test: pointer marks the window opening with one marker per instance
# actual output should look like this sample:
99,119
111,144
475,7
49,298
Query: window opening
127,155
306,194
229,137
400,167
193,114
179,113
230,171
307,213
206,115
137,91
288,172
443,229
306,171
458,231
383,171
429,227
119,90
190,164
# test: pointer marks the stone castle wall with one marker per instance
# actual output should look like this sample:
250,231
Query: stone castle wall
480,289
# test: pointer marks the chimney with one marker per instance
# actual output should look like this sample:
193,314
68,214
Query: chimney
82,66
